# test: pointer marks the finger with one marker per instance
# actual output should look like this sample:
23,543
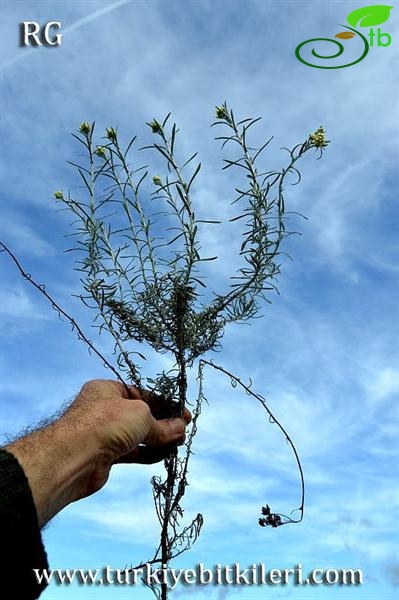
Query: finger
160,408
166,431
125,390
187,416
145,455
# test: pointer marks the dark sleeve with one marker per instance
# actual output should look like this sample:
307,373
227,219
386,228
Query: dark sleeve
21,543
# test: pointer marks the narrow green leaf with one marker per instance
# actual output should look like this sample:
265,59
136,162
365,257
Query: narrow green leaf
206,221
236,218
172,141
183,198
165,120
189,160
194,176
198,281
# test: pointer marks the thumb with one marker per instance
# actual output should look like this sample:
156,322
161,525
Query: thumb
165,431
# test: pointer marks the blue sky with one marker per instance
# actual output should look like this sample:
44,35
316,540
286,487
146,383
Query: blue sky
325,354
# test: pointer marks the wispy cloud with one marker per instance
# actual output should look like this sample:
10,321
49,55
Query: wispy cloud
16,303
24,239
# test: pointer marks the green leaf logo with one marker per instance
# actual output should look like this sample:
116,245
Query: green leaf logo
368,16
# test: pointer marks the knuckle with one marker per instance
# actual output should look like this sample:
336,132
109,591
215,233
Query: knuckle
88,384
93,383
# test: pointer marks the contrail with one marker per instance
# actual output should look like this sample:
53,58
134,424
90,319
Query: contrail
83,21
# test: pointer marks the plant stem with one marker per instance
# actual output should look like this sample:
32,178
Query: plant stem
272,419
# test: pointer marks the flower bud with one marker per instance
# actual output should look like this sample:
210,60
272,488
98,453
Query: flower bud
221,112
318,138
58,195
100,151
85,128
111,134
156,180
155,126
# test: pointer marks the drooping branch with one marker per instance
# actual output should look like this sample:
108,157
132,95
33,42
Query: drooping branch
273,519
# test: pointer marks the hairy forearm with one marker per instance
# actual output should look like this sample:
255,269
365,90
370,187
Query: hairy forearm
55,460
72,457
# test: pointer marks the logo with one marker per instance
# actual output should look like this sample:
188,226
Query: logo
368,16
32,34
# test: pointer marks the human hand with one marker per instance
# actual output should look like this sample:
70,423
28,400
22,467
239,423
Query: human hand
72,457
